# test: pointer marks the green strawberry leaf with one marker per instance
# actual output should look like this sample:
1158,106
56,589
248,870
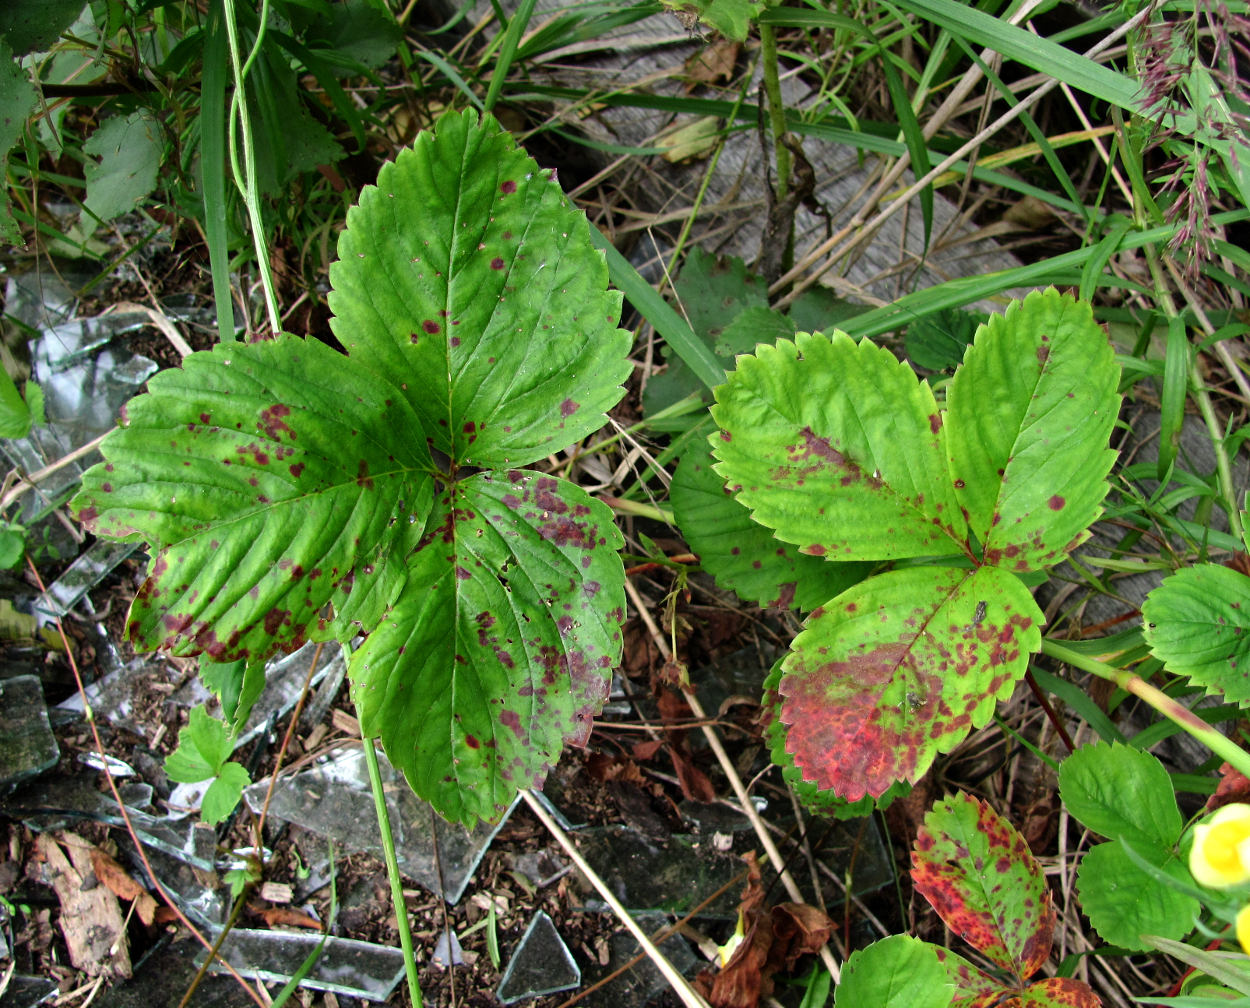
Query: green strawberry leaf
1198,625
839,447
1030,412
466,270
224,793
204,746
1118,791
977,872
938,342
895,972
270,475
901,667
813,798
124,157
293,492
501,645
1124,903
238,685
742,554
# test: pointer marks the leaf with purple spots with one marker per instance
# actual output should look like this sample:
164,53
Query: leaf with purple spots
744,555
467,270
840,448
1029,414
1198,625
501,646
254,472
978,873
900,668
1056,992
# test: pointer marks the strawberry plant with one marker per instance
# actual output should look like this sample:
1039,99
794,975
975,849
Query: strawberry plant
291,492
845,454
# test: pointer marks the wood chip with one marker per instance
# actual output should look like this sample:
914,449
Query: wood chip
276,892
91,917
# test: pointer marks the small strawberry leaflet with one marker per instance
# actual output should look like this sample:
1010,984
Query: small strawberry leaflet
292,492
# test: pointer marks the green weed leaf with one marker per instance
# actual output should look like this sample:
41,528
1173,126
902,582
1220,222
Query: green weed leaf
204,746
17,414
1118,791
294,492
34,25
127,152
1124,903
979,875
895,972
1198,625
901,667
838,447
742,554
224,793
1030,412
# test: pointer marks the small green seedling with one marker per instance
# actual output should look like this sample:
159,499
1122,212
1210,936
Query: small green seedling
203,753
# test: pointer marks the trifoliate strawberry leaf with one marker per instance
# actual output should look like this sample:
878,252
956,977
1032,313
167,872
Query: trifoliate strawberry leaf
1124,902
978,873
1029,415
237,685
267,475
742,554
466,271
291,491
895,972
501,646
1121,792
901,667
204,745
840,448
1198,625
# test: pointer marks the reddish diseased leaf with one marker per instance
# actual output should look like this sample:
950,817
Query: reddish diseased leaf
1056,992
973,988
899,668
979,875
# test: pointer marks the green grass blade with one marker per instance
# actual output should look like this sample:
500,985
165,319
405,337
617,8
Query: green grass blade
1174,393
213,168
671,326
512,38
1102,252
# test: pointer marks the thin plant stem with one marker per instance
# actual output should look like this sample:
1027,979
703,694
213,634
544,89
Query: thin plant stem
392,869
245,178
776,107
1130,682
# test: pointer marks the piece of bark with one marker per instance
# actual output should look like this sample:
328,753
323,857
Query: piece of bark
91,917
123,885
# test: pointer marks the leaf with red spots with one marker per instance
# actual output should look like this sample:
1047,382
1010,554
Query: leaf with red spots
895,972
266,478
1029,415
289,491
899,668
501,646
742,554
977,872
1056,992
466,270
1198,625
840,448
973,987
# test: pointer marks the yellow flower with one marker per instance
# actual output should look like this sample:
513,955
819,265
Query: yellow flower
1220,857
1243,928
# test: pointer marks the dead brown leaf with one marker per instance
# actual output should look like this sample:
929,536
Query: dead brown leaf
284,916
113,875
91,917
712,64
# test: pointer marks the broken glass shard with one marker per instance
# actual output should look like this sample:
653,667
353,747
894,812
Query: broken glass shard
81,576
27,992
334,800
540,965
27,745
344,965
640,981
